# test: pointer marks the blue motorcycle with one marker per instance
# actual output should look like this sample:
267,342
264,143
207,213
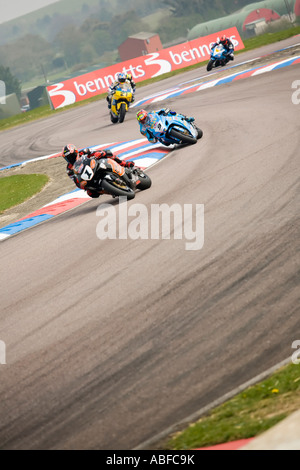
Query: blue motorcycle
218,58
174,129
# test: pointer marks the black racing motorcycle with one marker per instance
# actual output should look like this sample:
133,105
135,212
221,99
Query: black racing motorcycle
108,177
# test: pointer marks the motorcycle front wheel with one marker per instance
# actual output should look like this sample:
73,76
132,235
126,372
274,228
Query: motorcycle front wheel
209,65
185,139
113,188
122,112
200,133
144,182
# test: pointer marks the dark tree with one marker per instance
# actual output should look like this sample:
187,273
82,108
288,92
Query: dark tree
182,8
12,84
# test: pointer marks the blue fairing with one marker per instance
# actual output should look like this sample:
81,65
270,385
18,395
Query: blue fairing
218,53
161,125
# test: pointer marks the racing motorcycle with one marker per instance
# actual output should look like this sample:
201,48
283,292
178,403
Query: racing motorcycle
120,102
108,177
174,129
218,58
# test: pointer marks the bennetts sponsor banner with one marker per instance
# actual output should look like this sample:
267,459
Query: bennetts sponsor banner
142,68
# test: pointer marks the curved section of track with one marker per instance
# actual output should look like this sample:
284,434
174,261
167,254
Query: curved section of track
109,342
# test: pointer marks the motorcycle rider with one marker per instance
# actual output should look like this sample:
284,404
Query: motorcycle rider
71,155
228,46
132,84
148,120
121,78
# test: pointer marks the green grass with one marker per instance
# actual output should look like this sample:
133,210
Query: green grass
270,38
41,112
248,414
17,188
23,118
45,111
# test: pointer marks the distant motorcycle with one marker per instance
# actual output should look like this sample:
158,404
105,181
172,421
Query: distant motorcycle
108,177
120,102
218,58
175,129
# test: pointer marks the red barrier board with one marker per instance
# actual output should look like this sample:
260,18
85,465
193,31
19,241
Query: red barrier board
142,68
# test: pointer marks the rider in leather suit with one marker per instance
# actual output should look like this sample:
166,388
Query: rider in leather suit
228,46
146,119
71,154
121,78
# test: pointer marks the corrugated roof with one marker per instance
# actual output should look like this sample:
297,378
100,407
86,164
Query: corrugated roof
142,35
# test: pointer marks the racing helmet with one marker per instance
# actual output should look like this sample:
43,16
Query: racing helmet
70,153
224,40
141,115
121,77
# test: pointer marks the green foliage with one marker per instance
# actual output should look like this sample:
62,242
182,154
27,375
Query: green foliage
102,41
12,84
208,10
185,7
172,28
17,188
70,41
125,25
26,56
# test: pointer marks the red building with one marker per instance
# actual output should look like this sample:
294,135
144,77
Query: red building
138,45
262,13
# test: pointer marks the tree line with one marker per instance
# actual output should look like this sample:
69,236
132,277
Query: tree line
91,36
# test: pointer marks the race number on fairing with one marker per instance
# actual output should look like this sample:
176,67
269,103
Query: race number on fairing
87,174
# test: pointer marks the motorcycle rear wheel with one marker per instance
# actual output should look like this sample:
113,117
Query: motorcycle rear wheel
113,119
185,139
111,188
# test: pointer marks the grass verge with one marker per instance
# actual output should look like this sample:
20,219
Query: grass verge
269,38
18,188
248,414
45,111
42,112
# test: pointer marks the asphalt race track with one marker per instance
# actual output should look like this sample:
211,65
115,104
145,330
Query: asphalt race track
110,342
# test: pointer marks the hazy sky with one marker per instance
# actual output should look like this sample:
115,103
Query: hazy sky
10,9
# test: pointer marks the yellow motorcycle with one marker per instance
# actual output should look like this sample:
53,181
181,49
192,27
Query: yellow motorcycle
120,102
